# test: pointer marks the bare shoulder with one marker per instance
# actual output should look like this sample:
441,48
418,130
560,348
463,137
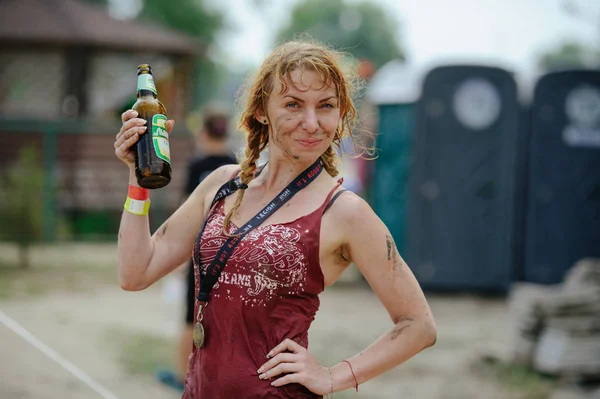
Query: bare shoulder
349,209
206,190
216,178
222,174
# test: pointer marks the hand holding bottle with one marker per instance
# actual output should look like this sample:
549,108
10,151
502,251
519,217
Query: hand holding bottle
149,154
129,134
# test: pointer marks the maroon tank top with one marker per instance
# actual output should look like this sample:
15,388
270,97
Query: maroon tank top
267,292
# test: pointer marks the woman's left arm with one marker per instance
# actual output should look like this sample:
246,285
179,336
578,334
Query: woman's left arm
373,250
369,244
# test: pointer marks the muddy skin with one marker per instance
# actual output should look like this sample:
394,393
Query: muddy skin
161,232
397,331
391,248
391,252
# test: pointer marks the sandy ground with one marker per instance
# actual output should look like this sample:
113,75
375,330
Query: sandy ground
75,325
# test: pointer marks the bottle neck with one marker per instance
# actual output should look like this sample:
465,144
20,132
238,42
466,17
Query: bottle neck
146,93
145,86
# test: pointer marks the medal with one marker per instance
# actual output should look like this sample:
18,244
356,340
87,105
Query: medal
198,334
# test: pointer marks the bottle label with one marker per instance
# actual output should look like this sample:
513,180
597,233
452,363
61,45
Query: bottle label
160,137
146,82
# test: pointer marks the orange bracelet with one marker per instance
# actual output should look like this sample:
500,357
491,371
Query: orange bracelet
138,193
353,375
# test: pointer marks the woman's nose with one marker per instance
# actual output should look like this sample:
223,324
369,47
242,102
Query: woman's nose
310,122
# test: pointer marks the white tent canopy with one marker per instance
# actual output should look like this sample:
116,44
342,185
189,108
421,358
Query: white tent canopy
400,82
394,83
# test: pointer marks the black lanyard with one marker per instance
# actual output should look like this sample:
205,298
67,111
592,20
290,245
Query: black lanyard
213,272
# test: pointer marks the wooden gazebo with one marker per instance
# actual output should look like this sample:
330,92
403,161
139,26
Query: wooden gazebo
78,31
66,70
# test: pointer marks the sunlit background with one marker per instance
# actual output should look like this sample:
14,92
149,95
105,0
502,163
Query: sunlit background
486,119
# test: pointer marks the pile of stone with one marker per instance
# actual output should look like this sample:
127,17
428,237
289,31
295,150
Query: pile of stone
557,328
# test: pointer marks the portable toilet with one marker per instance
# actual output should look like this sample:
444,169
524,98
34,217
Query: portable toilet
394,90
563,191
462,204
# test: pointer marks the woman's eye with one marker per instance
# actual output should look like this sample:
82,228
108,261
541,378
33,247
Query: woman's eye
327,105
291,105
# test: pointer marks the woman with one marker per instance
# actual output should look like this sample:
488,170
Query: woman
273,238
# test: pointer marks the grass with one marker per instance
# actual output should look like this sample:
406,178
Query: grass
523,382
141,353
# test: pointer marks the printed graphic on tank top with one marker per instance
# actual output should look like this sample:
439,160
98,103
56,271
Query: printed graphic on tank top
267,292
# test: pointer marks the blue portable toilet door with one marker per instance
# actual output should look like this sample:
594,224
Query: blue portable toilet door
392,168
462,206
563,218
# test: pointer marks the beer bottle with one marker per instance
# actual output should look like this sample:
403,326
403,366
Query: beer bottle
152,153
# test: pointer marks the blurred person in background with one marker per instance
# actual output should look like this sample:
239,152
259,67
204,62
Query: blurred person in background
266,240
212,143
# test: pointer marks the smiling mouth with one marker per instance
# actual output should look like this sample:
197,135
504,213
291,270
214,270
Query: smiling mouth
309,143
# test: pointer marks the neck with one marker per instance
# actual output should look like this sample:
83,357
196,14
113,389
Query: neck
279,172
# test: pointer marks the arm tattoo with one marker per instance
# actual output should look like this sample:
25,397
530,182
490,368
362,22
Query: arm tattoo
398,329
163,229
391,252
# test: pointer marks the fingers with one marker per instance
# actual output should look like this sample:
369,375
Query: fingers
128,139
292,363
281,368
122,149
286,345
131,123
125,136
125,116
288,379
170,124
281,358
129,133
287,357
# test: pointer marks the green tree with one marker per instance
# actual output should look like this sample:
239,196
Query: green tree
186,16
364,30
22,204
568,55
192,18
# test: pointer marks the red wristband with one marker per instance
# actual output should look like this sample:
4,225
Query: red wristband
352,370
138,193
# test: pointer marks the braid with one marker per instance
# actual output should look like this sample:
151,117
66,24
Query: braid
329,159
256,144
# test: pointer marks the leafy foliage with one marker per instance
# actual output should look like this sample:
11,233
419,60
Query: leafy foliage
186,16
568,55
191,17
364,30
22,204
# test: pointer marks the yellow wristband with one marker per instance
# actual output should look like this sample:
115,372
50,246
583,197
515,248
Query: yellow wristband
137,207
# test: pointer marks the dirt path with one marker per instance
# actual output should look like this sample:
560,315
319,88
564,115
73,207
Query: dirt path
87,327
76,325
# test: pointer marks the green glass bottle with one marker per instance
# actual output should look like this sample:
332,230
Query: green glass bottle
152,151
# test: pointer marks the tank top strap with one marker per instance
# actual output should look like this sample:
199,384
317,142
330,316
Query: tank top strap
234,175
325,204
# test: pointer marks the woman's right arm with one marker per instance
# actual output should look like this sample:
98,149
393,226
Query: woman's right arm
143,258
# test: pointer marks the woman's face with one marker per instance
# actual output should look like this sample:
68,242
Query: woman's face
303,120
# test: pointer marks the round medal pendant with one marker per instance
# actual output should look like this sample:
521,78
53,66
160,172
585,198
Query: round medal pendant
198,335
